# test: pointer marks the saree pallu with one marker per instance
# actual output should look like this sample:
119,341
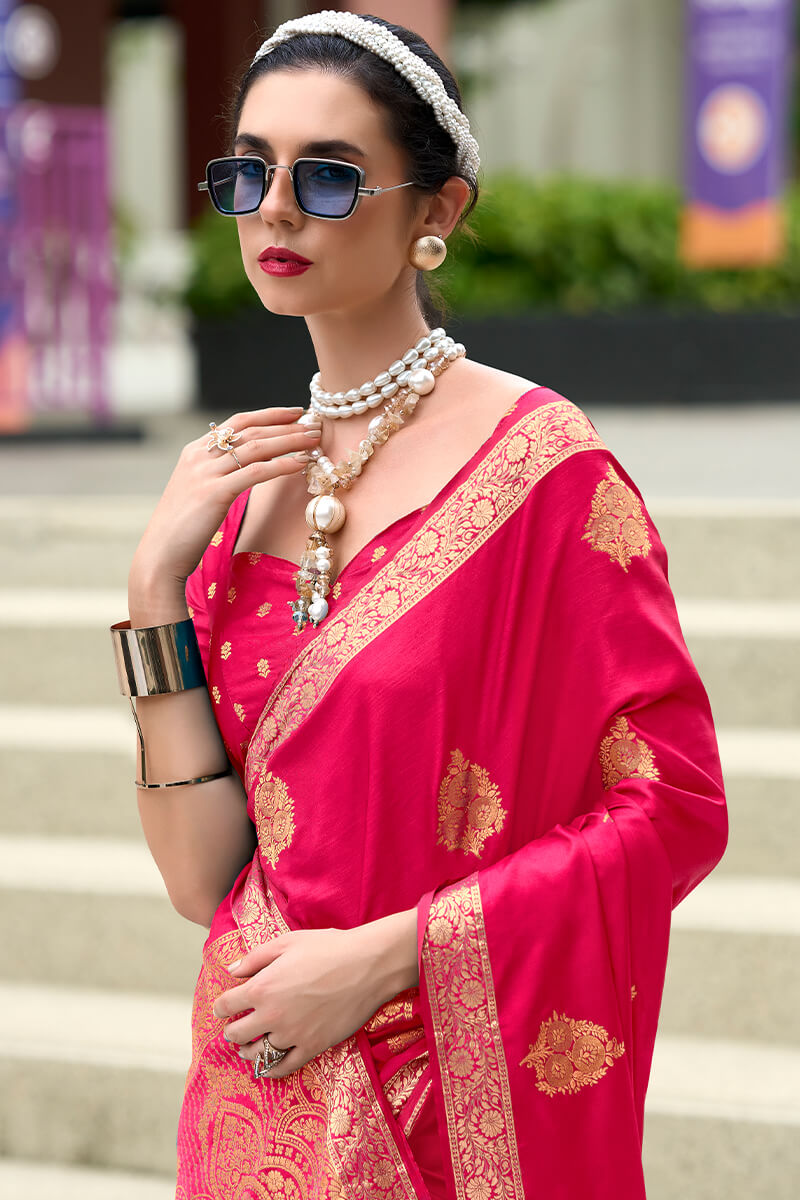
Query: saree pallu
499,724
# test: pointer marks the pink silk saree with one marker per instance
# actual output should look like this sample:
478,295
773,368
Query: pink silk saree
500,724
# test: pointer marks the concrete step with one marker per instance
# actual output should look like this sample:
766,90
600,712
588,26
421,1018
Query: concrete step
740,550
749,679
709,1159
96,912
20,1180
106,1090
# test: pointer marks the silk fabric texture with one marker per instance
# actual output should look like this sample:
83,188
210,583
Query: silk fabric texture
500,724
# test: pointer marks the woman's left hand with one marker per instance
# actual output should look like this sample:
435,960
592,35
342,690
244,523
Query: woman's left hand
308,989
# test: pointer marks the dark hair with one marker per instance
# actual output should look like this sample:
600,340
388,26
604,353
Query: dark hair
431,152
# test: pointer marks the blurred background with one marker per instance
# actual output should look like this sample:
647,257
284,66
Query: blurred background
637,249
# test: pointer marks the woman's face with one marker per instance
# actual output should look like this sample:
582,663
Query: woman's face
356,260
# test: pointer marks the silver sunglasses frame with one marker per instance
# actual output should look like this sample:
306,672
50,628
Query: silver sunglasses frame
360,191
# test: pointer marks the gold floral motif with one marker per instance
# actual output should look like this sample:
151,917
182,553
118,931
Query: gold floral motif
225,652
553,433
617,524
212,587
264,608
401,1041
400,1008
254,556
428,543
625,755
274,809
400,1087
263,668
570,1055
634,993
217,538
239,710
231,595
475,1086
470,806
378,552
215,692
336,590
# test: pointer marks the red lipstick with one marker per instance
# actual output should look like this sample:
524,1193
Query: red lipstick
279,260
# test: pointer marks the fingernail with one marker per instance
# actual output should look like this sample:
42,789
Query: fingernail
234,965
312,432
301,457
295,408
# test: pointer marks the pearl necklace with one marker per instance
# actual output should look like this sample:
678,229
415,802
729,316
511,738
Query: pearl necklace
375,391
325,512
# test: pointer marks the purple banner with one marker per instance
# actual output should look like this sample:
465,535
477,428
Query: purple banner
737,99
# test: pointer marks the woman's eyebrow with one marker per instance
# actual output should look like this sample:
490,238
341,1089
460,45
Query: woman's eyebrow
324,146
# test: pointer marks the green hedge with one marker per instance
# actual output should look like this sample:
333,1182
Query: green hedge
565,243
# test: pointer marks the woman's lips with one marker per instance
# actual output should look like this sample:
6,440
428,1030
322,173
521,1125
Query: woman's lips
274,266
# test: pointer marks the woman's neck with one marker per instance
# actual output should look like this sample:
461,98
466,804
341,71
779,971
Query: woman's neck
350,350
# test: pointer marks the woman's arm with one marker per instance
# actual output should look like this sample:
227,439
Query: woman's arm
199,834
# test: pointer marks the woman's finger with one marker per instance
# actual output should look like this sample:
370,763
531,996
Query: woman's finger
245,1028
260,956
265,449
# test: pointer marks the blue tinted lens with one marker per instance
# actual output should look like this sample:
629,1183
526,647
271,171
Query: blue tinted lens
326,189
236,184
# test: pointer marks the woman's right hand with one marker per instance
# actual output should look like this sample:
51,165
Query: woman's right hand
200,491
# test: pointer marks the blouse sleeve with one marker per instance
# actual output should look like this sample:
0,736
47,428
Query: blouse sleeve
541,974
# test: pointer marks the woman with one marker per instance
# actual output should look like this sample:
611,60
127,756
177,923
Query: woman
473,764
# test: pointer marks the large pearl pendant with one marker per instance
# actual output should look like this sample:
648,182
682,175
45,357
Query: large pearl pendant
326,514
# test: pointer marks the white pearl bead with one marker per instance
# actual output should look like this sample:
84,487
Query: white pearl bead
402,379
452,354
308,418
375,400
338,398
397,366
437,333
422,344
382,379
360,407
432,353
419,364
375,425
353,395
410,356
422,382
388,390
346,412
461,348
367,388
318,608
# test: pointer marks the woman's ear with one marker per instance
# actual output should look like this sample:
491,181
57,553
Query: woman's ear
441,212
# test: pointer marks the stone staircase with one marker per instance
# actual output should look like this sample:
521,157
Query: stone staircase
98,971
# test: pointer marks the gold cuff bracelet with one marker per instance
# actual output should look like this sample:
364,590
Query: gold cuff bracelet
158,660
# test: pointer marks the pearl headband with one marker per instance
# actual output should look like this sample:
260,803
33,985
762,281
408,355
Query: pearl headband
381,41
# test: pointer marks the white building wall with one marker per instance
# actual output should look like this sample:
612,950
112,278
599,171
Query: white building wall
591,86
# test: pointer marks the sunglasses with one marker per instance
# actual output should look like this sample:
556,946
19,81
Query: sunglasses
323,187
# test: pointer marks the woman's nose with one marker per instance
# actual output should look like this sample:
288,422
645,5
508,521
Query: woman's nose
280,199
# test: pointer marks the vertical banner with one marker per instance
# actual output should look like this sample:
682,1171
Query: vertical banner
738,68
13,357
